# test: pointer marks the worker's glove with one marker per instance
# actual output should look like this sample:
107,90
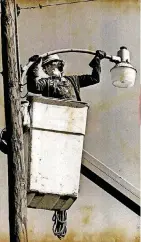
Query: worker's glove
34,58
36,71
99,55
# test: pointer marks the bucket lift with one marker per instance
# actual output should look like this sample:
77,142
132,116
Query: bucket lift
55,143
53,146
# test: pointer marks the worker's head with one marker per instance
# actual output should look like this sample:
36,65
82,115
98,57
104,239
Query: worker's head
53,65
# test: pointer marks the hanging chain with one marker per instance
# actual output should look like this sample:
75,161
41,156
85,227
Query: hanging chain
60,223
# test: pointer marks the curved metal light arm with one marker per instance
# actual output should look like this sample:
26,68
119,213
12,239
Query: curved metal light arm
67,51
84,51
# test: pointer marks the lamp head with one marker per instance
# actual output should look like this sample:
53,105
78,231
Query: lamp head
123,74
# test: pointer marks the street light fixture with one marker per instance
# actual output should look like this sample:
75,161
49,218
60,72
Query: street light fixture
123,74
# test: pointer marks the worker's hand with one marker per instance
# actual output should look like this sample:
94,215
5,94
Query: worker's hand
36,71
34,58
95,62
101,54
35,67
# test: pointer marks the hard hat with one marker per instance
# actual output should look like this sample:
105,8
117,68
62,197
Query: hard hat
51,58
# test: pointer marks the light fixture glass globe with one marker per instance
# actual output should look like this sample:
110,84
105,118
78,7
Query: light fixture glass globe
123,75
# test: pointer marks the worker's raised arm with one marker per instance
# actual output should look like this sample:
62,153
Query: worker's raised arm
94,78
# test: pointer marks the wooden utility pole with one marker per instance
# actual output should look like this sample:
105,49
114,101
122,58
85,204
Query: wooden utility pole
16,167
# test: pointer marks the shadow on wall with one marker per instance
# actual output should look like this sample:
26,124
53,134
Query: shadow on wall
113,235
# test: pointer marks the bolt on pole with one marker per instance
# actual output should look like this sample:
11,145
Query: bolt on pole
17,182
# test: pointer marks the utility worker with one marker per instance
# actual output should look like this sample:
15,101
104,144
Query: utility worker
45,77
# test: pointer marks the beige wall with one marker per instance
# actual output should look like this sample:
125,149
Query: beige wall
113,122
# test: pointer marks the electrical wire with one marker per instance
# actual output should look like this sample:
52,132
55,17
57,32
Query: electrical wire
40,6
2,134
3,141
56,4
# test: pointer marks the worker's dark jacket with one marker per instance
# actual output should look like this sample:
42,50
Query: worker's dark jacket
66,88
